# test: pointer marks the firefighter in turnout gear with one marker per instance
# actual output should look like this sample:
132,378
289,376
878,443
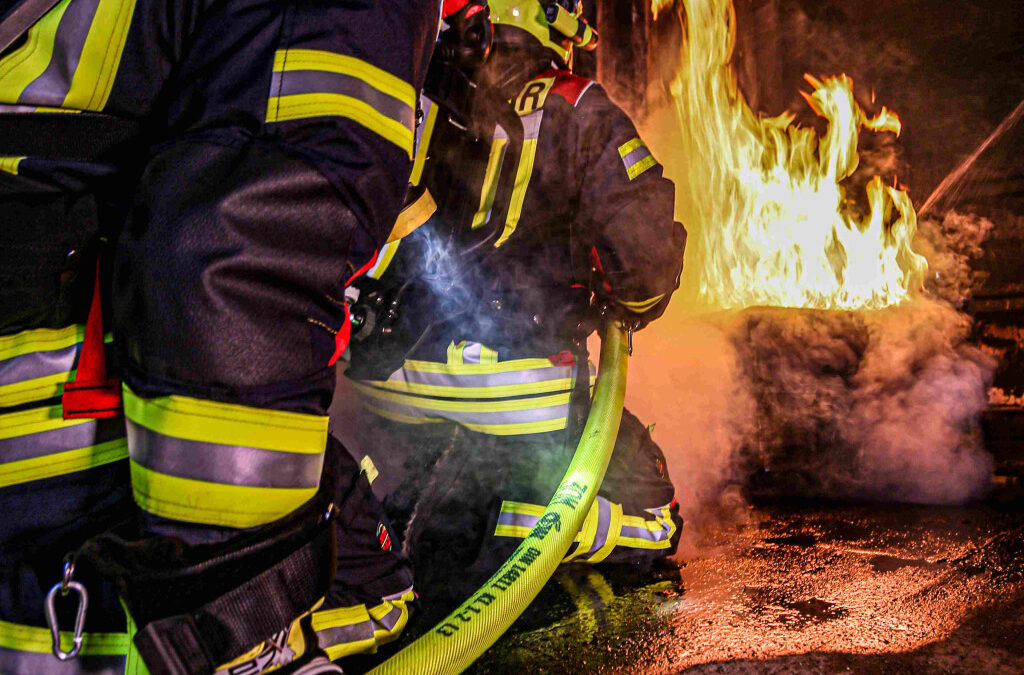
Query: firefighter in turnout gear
185,191
472,332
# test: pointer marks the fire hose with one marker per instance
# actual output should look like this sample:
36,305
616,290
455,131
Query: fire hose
466,633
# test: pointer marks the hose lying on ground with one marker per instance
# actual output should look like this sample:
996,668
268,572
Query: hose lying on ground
466,633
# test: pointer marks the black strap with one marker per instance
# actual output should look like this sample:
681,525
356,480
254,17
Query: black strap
23,17
84,136
199,642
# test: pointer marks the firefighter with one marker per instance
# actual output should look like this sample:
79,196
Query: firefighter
472,330
185,190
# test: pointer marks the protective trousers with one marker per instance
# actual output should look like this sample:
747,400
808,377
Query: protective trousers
465,500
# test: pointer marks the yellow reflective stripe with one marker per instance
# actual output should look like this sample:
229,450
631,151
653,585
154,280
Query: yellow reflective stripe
61,463
331,62
517,531
358,614
641,166
585,537
412,216
384,258
37,640
28,62
40,340
523,173
300,106
522,508
465,406
36,420
10,164
613,540
495,391
455,353
488,355
661,522
476,368
516,429
37,389
227,423
630,146
490,184
101,55
199,501
641,305
424,145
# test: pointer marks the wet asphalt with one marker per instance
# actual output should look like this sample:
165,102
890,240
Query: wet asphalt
796,587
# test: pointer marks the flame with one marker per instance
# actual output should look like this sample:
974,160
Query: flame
762,198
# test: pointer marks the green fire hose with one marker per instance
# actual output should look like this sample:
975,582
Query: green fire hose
452,645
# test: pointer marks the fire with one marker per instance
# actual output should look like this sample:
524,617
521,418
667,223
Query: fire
762,198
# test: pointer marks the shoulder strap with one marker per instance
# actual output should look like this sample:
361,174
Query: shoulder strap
21,19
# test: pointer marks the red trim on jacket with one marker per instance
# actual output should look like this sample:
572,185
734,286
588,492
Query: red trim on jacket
92,395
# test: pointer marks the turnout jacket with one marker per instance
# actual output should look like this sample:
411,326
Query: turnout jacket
557,201
228,166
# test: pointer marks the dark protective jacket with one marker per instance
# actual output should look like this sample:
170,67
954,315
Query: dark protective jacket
231,164
562,201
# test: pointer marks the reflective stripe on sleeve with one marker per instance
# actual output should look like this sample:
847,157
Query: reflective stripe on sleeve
315,83
26,650
605,528
636,157
10,164
70,57
39,443
219,463
424,132
384,258
358,629
35,364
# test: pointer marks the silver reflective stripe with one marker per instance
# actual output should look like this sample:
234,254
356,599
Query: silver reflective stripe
525,376
342,635
531,124
388,621
635,156
293,82
76,434
464,417
224,464
471,352
52,86
16,662
604,518
643,533
517,520
37,364
425,105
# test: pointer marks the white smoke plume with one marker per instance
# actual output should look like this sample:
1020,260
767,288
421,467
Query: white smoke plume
880,405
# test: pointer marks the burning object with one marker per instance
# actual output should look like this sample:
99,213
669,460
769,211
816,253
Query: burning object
804,341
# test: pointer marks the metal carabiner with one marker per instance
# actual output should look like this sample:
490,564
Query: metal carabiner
629,340
64,587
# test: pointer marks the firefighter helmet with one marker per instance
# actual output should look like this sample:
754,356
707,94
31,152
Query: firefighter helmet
556,24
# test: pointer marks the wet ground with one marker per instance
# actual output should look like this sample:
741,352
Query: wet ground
797,587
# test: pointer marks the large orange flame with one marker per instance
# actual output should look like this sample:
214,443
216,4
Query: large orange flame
763,199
